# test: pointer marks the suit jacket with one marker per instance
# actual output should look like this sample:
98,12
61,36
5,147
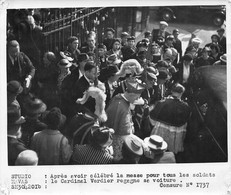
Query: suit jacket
178,76
78,91
15,147
222,43
178,46
127,52
21,68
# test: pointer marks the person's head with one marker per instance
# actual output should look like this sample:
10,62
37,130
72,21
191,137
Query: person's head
187,59
221,32
101,137
163,25
156,48
205,53
111,73
215,38
113,60
175,33
14,122
149,76
49,58
91,41
148,35
124,36
27,157
133,91
64,65
132,149
214,48
14,88
169,40
110,33
34,107
141,46
54,118
13,48
72,43
156,145
83,58
177,90
131,41
91,55
31,21
90,69
196,42
116,44
164,75
102,50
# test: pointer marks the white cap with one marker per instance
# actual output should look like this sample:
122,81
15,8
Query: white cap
196,40
163,23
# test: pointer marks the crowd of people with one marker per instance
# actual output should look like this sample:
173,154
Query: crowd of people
121,101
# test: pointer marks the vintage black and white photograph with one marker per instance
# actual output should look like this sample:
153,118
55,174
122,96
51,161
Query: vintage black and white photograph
108,98
116,85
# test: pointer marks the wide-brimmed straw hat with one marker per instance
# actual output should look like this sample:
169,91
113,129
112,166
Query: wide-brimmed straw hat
156,143
134,145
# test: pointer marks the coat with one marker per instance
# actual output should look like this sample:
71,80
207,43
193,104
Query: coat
52,147
15,147
21,68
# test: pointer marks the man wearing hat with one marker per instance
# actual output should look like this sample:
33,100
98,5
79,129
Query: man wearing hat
214,40
177,44
14,88
129,49
169,119
155,151
132,150
160,33
98,151
222,39
15,146
50,144
19,66
120,117
110,33
33,108
124,36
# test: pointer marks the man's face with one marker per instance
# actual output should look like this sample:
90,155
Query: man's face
163,27
92,74
91,42
110,35
74,45
131,43
101,52
13,51
175,34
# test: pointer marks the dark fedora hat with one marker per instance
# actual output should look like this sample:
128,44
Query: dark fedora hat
64,63
215,35
83,57
14,87
34,106
14,116
131,38
102,135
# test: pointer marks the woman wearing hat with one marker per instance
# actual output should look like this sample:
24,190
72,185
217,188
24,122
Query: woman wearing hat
50,144
132,150
155,151
98,150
